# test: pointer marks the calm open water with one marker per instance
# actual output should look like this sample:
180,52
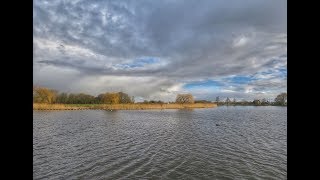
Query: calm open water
217,143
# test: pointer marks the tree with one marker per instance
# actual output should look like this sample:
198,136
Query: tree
99,98
71,99
124,98
256,102
281,99
44,95
228,101
111,98
160,102
264,102
62,98
217,99
244,102
184,98
84,99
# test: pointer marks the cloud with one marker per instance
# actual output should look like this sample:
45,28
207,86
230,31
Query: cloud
174,43
241,41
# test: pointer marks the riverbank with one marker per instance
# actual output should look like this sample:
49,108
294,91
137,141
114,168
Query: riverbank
136,106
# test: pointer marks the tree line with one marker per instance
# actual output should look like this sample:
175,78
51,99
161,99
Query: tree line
50,96
46,95
180,99
280,100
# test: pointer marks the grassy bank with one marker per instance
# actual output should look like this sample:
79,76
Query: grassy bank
38,106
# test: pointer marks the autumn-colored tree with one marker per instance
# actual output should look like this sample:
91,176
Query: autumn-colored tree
111,98
184,98
44,95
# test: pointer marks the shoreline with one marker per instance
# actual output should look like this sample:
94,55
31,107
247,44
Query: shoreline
38,106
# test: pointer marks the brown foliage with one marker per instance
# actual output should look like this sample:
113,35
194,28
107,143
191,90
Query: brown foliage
44,95
184,98
111,98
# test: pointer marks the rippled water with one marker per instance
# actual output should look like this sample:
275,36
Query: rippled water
218,143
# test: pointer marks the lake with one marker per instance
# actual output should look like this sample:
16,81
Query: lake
241,142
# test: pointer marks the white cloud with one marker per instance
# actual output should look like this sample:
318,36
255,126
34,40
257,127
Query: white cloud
89,46
240,41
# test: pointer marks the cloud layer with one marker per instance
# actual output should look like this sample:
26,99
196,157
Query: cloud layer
156,49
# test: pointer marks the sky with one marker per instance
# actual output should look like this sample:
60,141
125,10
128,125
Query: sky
154,50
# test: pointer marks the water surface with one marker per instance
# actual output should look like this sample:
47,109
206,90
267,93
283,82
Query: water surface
215,143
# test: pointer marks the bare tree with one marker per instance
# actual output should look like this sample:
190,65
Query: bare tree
228,101
281,99
184,98
264,102
124,98
217,99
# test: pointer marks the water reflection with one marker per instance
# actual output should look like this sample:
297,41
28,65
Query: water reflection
249,143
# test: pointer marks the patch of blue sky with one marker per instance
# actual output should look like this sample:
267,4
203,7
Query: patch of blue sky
139,62
283,72
208,84
271,73
146,60
240,79
265,72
